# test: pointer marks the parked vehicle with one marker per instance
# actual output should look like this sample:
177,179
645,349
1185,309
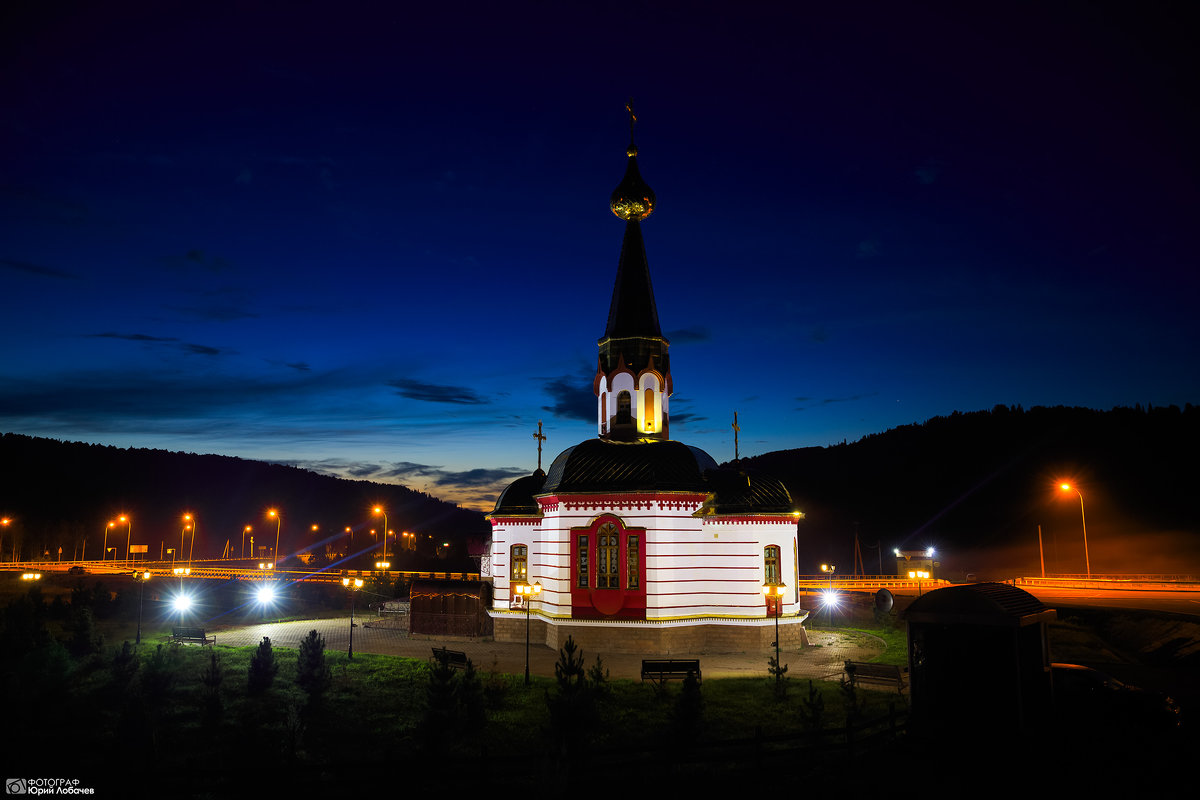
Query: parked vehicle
1088,696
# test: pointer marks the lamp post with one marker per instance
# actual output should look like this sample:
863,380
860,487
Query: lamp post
379,510
528,592
278,522
776,590
141,578
1066,487
353,584
192,544
245,530
128,533
350,547
830,568
104,550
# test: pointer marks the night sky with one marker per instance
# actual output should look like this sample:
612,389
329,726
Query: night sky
373,240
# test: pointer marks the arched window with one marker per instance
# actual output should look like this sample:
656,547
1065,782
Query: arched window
604,412
624,409
648,410
608,568
519,571
771,565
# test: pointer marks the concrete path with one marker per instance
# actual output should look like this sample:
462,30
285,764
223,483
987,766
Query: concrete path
822,658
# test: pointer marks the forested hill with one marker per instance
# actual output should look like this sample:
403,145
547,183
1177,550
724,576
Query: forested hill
60,492
989,478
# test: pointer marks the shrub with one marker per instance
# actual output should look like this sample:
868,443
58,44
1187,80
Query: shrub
262,667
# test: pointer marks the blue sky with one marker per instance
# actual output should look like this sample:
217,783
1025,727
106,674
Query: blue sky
374,240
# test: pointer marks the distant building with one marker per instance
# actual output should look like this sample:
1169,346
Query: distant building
633,542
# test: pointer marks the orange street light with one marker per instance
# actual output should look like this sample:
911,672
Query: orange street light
379,510
278,522
128,532
191,545
1066,487
245,530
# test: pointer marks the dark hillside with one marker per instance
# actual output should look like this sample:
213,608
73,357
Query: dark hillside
59,493
977,485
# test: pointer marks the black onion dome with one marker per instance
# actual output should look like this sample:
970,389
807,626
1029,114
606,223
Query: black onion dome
517,499
633,199
737,491
599,465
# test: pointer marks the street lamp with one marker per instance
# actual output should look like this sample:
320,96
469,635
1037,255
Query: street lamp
192,544
104,550
353,584
528,592
379,510
246,530
278,522
776,590
1066,487
128,533
830,598
141,578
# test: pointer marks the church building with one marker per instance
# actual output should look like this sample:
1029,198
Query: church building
633,542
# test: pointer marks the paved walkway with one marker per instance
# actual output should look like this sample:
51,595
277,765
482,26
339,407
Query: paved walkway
822,658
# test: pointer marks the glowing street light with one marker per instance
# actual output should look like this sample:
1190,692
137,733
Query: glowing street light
246,530
353,584
278,522
831,599
191,545
776,590
379,510
104,550
128,533
528,591
1066,487
140,578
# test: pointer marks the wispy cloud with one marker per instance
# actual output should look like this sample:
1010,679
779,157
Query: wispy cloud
436,393
572,396
36,269
808,402
697,333
145,338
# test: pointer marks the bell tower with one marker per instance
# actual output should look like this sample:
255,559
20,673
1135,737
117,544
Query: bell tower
633,374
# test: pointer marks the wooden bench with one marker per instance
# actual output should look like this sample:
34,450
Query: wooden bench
881,673
660,670
455,659
191,636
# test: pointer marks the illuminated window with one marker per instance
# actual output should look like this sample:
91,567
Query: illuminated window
648,410
631,561
607,566
771,565
519,573
583,562
604,412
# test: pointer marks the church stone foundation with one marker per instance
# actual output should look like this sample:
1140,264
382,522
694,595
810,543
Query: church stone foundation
651,639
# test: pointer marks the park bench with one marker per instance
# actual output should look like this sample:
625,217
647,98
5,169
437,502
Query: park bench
455,659
660,670
191,636
881,673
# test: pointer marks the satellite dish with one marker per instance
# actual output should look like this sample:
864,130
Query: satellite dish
884,600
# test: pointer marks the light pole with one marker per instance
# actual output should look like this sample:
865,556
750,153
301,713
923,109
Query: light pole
776,590
141,578
192,544
278,522
4,523
182,531
353,584
128,533
1066,487
104,550
379,510
528,592
830,568
245,530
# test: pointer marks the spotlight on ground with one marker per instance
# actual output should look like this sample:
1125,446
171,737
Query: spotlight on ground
181,602
265,594
830,598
